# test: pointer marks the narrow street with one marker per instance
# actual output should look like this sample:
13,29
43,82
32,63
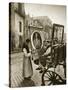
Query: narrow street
16,72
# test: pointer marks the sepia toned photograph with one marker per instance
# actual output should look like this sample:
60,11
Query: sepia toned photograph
37,45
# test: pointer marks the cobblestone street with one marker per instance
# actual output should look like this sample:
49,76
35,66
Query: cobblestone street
16,71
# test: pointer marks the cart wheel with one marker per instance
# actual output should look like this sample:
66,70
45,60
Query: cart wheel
51,78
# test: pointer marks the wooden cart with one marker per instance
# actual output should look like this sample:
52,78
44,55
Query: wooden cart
57,57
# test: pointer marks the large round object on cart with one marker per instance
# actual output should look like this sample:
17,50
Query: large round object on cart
37,40
37,43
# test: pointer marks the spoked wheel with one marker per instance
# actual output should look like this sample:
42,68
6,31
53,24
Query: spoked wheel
51,78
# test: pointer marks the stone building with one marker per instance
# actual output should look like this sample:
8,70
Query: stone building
31,26
16,25
40,23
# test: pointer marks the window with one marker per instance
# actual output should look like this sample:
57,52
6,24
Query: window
20,41
20,26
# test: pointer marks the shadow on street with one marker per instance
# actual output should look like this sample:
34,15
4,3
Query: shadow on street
27,83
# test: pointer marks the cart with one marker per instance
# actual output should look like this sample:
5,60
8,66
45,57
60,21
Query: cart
50,76
57,57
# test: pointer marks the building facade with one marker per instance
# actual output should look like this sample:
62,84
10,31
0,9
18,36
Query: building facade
43,25
31,26
16,25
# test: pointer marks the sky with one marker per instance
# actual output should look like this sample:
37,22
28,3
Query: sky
56,13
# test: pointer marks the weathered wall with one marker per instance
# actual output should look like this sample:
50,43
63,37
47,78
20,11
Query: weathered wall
18,19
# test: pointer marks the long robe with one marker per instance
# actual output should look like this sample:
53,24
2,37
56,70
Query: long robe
27,65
